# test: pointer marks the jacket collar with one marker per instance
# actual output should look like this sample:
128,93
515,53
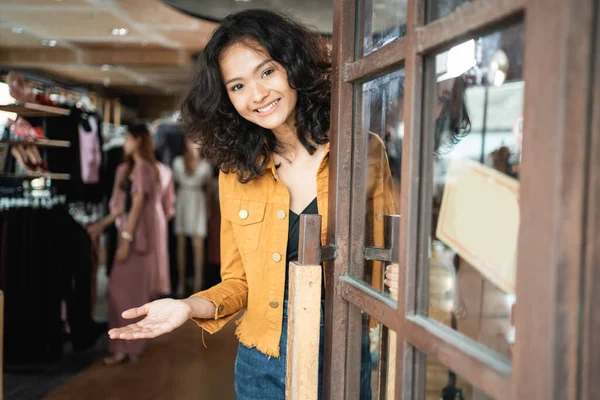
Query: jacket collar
271,162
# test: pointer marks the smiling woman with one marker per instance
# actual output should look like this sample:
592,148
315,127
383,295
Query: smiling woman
259,106
246,67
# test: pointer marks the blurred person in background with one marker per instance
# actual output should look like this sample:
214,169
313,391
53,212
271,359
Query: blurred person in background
136,207
193,175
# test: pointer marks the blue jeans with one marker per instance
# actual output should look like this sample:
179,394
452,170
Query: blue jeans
260,377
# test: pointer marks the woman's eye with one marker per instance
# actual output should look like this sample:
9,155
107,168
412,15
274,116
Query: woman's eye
268,72
237,87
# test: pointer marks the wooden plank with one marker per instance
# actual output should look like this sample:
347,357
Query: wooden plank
49,57
175,366
35,110
479,365
410,365
469,20
38,143
33,175
309,244
551,236
590,363
387,58
338,223
374,303
304,317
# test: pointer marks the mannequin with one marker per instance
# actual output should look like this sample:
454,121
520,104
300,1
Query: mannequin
192,175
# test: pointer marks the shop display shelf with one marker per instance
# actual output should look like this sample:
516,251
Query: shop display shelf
34,110
47,175
38,143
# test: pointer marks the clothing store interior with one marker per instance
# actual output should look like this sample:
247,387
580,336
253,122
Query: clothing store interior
76,78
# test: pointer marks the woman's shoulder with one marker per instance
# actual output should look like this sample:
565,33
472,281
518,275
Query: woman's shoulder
146,167
121,168
377,151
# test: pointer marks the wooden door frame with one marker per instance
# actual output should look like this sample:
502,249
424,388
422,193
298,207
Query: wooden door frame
553,232
590,348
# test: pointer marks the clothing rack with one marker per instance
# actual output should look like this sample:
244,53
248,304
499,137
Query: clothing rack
46,175
7,203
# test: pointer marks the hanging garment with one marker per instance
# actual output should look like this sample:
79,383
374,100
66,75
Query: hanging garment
190,210
45,258
89,149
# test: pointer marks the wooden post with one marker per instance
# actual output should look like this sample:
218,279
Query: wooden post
93,96
106,116
117,110
304,313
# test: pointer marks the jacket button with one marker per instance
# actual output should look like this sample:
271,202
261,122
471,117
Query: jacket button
274,304
281,214
276,257
220,309
243,214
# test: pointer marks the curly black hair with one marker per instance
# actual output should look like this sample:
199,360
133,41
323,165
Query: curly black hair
453,122
209,117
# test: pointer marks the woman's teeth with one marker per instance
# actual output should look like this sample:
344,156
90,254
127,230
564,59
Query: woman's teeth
267,108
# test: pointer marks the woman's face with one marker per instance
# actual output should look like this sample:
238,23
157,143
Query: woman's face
131,144
258,86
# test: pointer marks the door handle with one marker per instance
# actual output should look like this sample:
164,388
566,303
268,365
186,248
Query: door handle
391,251
310,251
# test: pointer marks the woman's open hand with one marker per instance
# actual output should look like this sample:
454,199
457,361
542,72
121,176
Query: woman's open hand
162,316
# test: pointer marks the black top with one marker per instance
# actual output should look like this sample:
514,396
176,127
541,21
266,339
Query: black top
294,235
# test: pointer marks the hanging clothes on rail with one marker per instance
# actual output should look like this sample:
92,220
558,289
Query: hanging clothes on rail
45,259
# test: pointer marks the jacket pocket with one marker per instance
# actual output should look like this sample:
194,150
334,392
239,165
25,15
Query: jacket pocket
247,219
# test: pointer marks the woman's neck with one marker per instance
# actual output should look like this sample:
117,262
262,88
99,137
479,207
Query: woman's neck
286,135
137,158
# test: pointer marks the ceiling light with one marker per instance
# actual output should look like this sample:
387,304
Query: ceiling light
16,29
106,67
142,81
120,32
144,43
242,1
106,82
49,43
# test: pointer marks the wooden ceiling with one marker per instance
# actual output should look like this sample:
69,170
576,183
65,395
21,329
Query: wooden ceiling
154,56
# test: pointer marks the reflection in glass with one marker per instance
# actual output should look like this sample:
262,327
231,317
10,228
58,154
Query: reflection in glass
475,188
379,108
437,9
380,22
443,384
379,348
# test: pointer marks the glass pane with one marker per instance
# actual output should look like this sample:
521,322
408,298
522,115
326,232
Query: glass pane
379,22
437,9
442,383
475,195
379,108
378,360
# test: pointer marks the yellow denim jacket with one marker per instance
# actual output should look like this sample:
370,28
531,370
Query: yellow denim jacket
254,235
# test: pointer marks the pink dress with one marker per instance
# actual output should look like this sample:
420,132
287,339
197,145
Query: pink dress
162,283
132,281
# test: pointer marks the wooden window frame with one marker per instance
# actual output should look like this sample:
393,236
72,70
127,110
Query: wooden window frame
558,241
